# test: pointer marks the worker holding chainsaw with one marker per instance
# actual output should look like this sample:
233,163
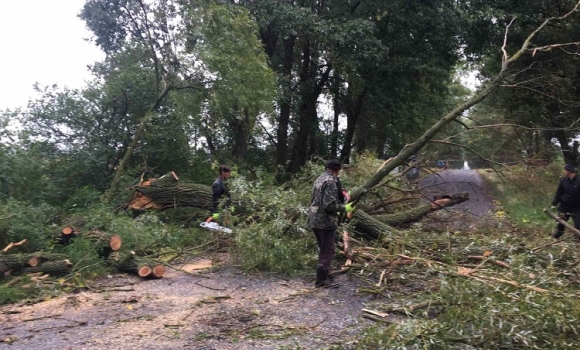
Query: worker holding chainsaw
323,213
219,189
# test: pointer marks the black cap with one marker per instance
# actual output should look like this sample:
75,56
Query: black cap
333,164
570,168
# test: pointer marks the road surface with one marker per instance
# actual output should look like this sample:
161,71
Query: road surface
480,204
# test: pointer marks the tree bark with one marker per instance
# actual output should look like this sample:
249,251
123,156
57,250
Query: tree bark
17,263
166,192
53,268
417,213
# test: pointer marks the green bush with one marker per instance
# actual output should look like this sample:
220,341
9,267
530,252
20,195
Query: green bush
21,220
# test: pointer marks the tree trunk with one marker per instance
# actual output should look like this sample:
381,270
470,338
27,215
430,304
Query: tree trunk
285,102
371,227
417,213
53,268
166,192
241,133
17,263
119,172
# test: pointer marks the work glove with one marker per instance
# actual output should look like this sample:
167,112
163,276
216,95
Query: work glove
216,216
348,207
553,207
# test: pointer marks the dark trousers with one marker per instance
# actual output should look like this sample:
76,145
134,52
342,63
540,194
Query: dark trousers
325,240
566,215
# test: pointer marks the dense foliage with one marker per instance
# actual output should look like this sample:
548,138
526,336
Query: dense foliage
273,88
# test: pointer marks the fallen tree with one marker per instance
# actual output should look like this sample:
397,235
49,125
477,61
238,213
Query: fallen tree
167,192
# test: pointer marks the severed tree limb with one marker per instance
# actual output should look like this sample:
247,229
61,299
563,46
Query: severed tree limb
408,310
560,220
13,244
487,259
537,249
417,213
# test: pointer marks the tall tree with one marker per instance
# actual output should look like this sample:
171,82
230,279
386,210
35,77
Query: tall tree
181,53
542,93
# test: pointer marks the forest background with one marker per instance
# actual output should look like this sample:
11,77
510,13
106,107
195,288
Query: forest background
273,88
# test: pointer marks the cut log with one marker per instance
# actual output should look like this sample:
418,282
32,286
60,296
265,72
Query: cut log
106,242
18,262
53,268
13,244
140,266
144,271
68,231
167,192
115,242
158,271
110,241
66,235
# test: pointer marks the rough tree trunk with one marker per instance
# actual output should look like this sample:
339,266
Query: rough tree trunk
16,264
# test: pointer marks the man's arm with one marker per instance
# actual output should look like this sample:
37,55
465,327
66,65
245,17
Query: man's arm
558,195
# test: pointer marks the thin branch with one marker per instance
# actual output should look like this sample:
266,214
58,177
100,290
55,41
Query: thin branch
549,47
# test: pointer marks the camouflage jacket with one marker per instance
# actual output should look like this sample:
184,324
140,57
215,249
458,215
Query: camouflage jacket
324,203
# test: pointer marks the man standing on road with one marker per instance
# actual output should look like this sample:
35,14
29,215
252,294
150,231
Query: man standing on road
323,219
567,199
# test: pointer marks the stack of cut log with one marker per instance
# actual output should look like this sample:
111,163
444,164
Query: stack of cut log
105,243
48,263
53,264
140,266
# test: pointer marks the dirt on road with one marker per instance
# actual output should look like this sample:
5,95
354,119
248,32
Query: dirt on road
221,309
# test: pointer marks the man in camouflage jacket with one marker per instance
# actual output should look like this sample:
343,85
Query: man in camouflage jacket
323,218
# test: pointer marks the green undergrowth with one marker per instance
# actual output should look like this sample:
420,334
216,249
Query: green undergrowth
524,193
522,291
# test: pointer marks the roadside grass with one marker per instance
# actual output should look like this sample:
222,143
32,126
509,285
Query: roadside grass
524,193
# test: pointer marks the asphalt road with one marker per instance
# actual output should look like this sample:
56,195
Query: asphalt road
452,181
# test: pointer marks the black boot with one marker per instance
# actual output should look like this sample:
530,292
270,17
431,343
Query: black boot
321,278
557,233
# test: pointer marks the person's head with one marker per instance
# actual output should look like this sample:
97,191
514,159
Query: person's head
225,172
333,166
569,170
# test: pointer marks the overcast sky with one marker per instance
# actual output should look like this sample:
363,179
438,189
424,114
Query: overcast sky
42,41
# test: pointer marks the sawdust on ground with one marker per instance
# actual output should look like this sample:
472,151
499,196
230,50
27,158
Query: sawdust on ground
197,307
